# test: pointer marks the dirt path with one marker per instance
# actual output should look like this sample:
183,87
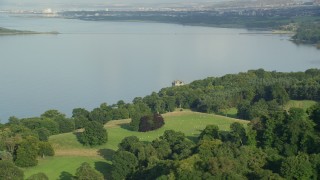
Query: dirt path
77,152
115,123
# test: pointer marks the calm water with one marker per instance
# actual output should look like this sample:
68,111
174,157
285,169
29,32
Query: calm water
95,62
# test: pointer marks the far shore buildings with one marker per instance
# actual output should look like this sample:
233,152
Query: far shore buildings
177,83
47,11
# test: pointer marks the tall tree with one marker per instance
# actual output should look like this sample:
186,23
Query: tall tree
162,148
45,149
43,134
27,152
128,143
53,114
297,167
211,132
124,165
9,171
139,110
94,134
80,112
238,134
86,172
66,125
100,115
314,115
80,116
298,133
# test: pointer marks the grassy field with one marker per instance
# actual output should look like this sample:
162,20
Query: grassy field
70,153
64,167
231,112
304,104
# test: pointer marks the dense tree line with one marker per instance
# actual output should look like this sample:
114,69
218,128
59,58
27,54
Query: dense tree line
308,33
278,145
252,93
23,141
267,18
18,148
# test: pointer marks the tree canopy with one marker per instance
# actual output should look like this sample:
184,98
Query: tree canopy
149,123
278,145
93,134
27,152
9,171
86,172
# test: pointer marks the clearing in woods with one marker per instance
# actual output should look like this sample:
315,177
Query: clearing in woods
69,153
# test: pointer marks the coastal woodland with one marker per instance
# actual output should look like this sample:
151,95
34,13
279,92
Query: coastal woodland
277,142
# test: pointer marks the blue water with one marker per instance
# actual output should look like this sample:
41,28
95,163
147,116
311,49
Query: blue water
94,62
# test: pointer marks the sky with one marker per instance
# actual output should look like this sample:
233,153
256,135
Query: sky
93,4
40,4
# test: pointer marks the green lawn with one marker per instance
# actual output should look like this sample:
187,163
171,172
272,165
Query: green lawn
190,123
64,167
70,153
231,112
304,104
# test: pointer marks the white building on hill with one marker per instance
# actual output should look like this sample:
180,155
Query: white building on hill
177,83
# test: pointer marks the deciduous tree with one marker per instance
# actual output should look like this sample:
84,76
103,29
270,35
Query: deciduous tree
124,165
94,134
211,132
38,176
86,172
45,149
27,152
297,167
9,171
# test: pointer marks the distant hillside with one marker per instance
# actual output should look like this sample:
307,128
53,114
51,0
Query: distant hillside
5,31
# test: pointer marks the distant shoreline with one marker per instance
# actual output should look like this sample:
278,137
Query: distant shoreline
272,32
9,32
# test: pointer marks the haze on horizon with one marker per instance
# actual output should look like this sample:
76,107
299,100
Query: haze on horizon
69,4
98,4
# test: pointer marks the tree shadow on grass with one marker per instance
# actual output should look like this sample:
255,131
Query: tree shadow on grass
230,115
106,153
78,136
193,138
105,168
65,176
126,126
